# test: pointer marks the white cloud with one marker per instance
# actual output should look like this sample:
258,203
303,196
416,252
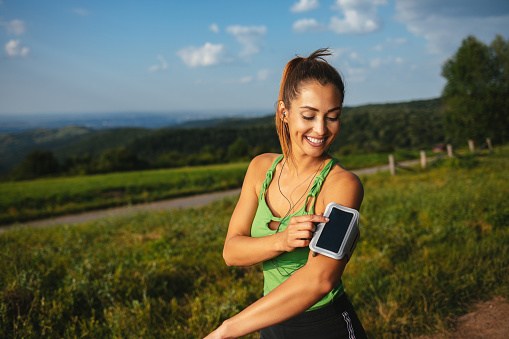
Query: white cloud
250,37
81,11
375,63
14,27
214,28
307,25
445,23
391,43
263,74
14,49
161,67
304,6
245,80
360,17
207,55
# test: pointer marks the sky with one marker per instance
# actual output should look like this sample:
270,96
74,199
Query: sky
78,56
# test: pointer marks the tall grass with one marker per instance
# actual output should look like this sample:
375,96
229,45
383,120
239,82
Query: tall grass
432,242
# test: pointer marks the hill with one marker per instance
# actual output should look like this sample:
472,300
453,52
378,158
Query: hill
368,128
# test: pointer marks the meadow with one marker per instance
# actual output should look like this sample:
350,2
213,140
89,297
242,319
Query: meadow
34,199
432,243
49,197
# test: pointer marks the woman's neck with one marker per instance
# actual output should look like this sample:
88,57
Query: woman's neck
297,166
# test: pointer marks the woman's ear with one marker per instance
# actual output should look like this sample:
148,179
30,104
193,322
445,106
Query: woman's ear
283,114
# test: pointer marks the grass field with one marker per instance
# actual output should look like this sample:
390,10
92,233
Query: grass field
27,200
35,199
432,243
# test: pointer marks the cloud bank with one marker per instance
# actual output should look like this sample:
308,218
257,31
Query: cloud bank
445,23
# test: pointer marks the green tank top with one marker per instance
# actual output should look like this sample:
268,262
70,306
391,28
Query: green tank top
288,262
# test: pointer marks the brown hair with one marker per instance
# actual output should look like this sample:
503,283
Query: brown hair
297,72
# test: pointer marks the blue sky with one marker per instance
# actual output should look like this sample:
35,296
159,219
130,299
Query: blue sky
70,56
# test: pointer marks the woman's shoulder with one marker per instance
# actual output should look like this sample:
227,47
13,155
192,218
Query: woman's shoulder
258,168
343,187
263,161
343,176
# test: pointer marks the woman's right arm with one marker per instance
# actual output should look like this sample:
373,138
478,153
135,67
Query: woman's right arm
240,249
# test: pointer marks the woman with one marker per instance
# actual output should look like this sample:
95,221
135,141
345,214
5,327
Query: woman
283,198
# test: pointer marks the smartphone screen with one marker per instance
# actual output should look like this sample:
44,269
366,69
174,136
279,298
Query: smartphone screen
334,231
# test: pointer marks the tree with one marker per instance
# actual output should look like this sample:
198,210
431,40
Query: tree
36,164
119,159
477,93
238,150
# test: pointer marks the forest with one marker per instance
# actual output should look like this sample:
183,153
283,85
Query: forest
76,150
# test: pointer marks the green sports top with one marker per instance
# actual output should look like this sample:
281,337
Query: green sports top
288,262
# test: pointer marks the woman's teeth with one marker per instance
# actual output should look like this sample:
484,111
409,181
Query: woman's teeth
316,141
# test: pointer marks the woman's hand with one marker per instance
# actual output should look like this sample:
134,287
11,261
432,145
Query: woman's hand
299,231
219,333
214,335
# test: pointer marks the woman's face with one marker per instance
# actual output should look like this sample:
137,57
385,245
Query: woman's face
314,119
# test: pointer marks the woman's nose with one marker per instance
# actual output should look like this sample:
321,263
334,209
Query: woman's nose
320,126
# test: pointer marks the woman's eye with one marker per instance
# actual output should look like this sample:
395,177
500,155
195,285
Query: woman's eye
333,119
307,118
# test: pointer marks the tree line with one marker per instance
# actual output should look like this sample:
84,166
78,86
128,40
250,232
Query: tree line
364,129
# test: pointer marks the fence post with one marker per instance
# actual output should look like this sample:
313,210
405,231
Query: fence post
392,166
423,159
449,151
488,141
471,145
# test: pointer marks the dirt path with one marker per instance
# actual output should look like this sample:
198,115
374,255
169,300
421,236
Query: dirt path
186,202
488,320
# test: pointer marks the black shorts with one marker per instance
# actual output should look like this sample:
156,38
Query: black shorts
334,321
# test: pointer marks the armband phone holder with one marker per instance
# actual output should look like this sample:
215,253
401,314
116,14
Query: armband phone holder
338,237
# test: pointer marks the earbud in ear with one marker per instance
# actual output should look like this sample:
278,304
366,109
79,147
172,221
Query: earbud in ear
284,113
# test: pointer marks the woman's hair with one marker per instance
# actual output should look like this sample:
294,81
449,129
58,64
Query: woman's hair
298,72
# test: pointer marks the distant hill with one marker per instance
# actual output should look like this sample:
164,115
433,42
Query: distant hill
367,128
15,146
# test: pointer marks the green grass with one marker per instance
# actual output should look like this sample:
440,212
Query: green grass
432,243
35,199
27,200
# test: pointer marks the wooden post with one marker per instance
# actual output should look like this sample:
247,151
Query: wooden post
488,141
423,159
392,166
471,145
449,151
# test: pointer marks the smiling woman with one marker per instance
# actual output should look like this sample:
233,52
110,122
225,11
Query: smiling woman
274,220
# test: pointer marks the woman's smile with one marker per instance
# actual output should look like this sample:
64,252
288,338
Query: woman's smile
316,142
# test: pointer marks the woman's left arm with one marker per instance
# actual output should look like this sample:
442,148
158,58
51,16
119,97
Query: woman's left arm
299,292
306,286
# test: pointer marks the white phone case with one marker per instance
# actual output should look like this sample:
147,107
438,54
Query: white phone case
349,241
